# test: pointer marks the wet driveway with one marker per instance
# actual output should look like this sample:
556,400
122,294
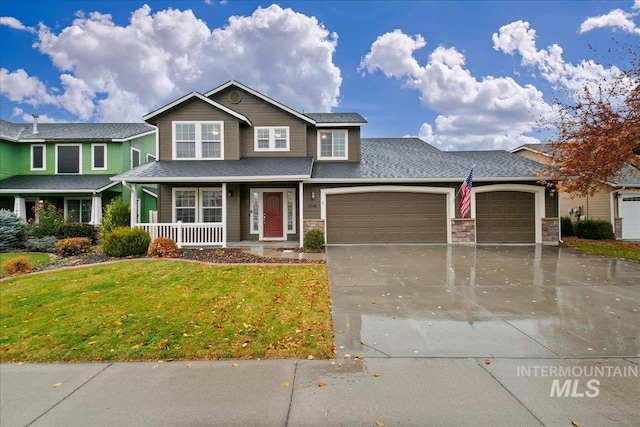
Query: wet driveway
482,301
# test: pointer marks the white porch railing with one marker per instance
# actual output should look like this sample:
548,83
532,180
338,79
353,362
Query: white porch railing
188,234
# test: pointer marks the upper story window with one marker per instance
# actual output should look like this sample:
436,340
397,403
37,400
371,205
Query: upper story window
135,158
198,140
99,156
38,157
332,144
69,158
271,138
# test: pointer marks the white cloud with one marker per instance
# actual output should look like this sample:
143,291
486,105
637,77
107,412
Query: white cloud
517,37
636,4
117,73
616,18
493,112
12,22
18,86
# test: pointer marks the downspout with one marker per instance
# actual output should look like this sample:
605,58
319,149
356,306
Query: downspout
301,209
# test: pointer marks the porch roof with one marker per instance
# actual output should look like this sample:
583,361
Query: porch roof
40,184
247,169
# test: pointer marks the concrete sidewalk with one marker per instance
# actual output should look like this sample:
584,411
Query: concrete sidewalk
372,392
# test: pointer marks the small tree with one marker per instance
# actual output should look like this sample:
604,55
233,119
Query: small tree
11,230
116,214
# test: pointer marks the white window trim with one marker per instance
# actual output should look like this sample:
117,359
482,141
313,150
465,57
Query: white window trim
198,147
260,212
131,158
44,157
66,208
272,138
93,160
79,159
346,144
198,207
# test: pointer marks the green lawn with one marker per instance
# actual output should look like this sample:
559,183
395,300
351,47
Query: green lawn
611,248
163,310
36,258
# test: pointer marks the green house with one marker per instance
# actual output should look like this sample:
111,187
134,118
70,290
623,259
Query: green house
69,165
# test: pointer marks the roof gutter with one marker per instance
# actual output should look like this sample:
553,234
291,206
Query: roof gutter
416,180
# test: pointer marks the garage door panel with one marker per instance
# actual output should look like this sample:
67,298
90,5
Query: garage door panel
505,217
387,217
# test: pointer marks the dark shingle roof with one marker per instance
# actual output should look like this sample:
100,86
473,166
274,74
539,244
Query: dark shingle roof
72,131
412,158
337,117
629,176
247,168
55,183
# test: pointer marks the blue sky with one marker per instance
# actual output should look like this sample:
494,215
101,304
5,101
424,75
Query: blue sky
459,74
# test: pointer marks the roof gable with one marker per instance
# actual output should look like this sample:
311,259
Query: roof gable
262,97
201,98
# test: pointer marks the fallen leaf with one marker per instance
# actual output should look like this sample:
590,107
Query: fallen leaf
575,423
235,365
285,384
321,384
155,366
373,302
135,347
376,374
56,385
487,362
379,423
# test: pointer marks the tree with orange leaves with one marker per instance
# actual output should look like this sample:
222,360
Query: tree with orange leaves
598,133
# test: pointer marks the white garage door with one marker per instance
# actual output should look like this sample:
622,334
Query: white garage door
629,210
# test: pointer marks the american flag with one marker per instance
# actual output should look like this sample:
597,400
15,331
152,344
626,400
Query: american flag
465,195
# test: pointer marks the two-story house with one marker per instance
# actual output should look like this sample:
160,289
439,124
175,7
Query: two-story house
69,165
235,165
616,201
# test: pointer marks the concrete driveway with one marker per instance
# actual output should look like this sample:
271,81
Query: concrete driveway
482,301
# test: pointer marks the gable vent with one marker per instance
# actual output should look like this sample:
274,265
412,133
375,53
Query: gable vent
235,97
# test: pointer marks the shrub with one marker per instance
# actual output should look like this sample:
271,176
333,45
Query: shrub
11,230
73,246
163,247
594,229
116,214
566,227
124,241
49,221
76,229
19,265
314,239
42,244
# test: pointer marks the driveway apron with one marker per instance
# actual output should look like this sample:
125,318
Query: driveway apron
482,301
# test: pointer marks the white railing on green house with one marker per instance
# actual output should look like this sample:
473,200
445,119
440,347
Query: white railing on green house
188,234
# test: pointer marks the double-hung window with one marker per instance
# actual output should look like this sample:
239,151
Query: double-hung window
38,157
332,145
197,204
99,156
198,140
271,138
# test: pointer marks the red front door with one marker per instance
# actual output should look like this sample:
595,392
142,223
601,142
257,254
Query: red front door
272,227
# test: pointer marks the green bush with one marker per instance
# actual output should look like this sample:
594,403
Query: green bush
116,214
163,247
42,244
314,239
566,227
123,242
73,246
49,221
593,229
76,229
19,265
11,230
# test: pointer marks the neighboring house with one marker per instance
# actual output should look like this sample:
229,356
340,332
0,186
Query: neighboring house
618,201
235,165
69,165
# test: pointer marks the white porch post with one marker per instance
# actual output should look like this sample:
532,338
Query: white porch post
96,210
301,213
224,214
134,205
19,207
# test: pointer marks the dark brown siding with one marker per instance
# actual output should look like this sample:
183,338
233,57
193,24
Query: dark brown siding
164,203
386,218
550,204
505,217
197,110
233,213
262,113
